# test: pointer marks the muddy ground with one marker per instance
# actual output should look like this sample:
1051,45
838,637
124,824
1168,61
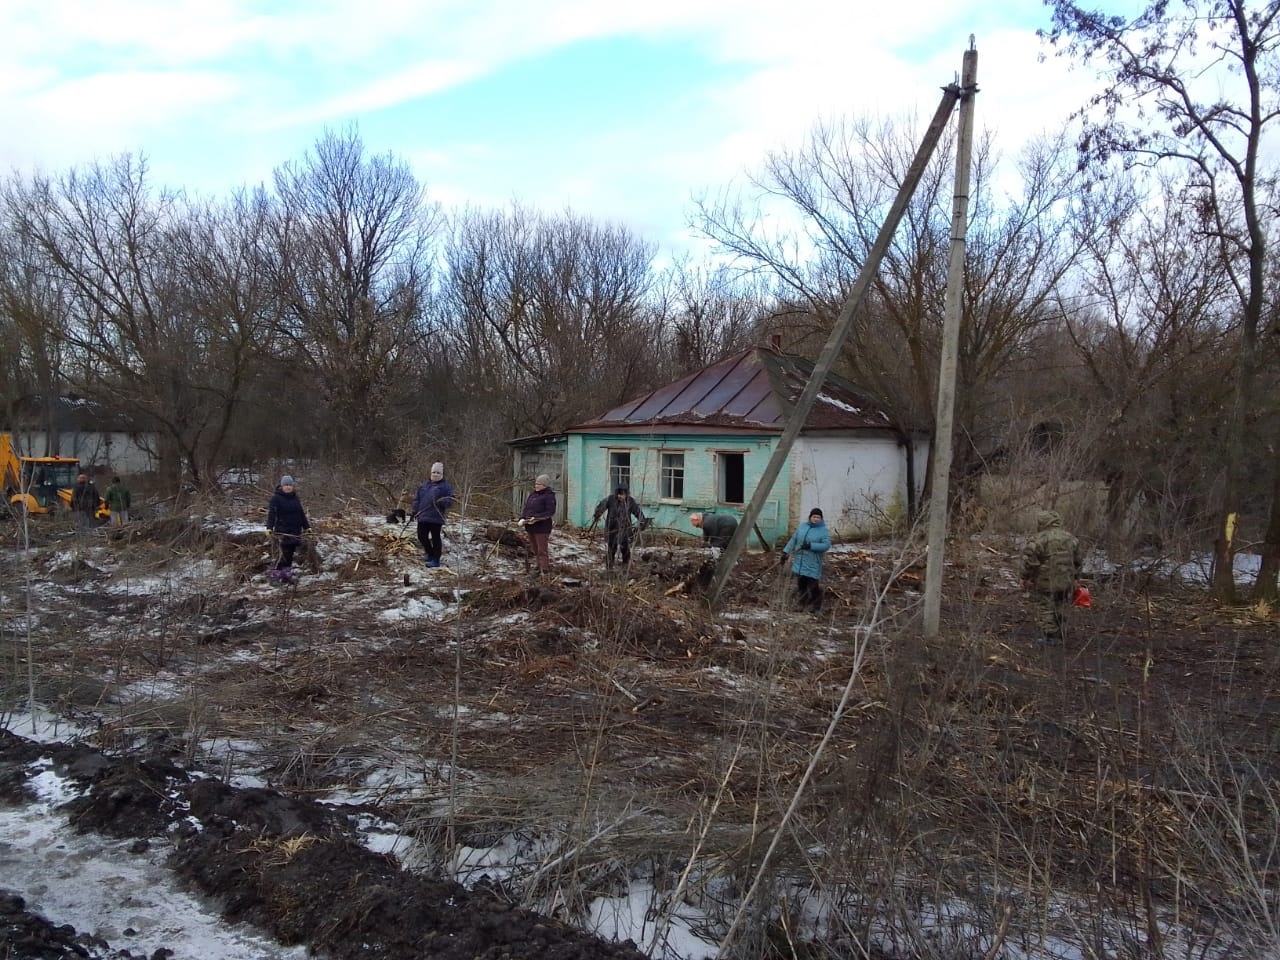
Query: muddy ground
223,708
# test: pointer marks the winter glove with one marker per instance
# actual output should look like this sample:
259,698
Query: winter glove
782,558
268,534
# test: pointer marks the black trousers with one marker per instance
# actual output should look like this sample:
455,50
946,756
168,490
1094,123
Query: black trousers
809,592
619,540
288,546
429,537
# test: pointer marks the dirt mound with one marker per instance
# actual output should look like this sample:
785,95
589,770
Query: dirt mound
289,865
337,897
77,762
28,936
630,616
130,798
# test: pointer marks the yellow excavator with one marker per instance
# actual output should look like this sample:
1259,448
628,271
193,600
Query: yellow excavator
40,484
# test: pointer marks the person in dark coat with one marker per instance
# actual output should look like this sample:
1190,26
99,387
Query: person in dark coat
535,518
286,522
84,502
1050,567
807,548
717,528
618,512
430,506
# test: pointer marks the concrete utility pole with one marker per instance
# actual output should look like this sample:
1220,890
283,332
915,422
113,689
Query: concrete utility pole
953,303
839,332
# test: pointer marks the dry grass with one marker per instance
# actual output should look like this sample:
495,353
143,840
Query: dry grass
614,725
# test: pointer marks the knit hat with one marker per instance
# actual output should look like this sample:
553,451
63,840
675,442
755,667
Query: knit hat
815,512
543,478
286,481
620,490
437,467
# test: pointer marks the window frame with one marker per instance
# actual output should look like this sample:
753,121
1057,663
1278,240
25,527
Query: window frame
612,472
666,474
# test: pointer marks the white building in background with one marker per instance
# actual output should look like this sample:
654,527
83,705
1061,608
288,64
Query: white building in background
82,429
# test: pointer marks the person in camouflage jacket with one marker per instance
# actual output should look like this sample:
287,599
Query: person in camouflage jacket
1050,565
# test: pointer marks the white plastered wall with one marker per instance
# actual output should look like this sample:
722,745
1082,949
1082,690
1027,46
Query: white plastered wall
860,484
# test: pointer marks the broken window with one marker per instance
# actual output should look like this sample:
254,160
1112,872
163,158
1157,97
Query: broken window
731,477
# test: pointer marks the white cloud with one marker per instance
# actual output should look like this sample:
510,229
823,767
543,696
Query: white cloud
254,82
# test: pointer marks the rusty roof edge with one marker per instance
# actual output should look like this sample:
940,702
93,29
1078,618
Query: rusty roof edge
681,420
538,438
783,367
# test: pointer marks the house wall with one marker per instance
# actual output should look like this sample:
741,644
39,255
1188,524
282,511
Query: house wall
587,463
105,453
860,483
529,461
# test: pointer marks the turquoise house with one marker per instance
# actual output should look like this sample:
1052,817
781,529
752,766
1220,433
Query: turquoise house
700,445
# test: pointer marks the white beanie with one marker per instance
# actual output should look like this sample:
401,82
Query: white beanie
438,467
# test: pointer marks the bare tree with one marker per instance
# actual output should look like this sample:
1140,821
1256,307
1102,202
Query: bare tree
1151,318
353,236
33,322
1201,89
549,314
134,337
710,311
222,258
1267,587
835,191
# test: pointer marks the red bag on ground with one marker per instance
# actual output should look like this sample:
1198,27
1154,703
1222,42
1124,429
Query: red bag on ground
1081,597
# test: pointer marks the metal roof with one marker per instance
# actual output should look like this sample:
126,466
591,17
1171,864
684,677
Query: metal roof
69,412
750,391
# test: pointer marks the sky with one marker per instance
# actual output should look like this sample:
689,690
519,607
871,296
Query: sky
623,112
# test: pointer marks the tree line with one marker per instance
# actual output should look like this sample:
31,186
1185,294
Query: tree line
337,311
1120,292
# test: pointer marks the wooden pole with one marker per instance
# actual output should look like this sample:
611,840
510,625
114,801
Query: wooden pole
839,333
953,305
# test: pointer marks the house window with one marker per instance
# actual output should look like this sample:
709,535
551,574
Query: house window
673,476
619,469
731,477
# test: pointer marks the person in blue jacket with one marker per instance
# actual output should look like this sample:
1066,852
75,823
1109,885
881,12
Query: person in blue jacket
806,549
432,503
